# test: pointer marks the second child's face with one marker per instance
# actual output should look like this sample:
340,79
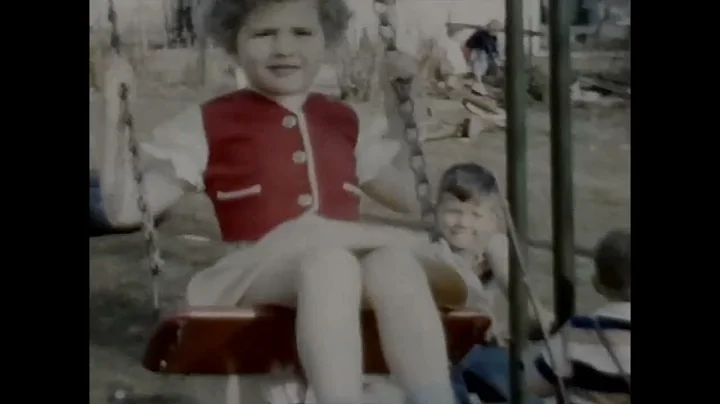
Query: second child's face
466,225
281,46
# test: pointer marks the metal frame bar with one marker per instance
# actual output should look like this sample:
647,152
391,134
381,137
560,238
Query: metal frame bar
516,140
561,174
561,150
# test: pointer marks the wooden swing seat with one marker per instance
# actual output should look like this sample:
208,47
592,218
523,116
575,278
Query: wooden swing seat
216,341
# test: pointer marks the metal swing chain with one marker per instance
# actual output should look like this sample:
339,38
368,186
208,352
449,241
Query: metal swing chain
402,86
126,125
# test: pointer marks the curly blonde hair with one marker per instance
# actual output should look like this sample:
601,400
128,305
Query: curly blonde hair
221,20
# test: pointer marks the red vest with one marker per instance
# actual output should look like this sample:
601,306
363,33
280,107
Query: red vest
259,170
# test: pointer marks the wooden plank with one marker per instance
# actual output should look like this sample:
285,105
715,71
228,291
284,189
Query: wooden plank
623,92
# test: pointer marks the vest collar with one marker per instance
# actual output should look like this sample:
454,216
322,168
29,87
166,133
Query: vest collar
293,103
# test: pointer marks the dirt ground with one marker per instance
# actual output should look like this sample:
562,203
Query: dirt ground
120,308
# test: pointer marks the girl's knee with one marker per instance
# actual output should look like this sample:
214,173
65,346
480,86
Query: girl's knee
390,270
334,267
392,256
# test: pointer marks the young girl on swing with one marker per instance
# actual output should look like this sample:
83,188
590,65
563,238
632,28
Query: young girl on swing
283,168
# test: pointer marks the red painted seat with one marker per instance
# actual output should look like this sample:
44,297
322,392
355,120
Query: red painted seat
217,341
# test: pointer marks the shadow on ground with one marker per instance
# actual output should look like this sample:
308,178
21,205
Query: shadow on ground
120,322
120,326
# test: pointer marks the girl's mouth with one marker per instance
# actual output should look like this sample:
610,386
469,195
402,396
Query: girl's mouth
283,70
459,232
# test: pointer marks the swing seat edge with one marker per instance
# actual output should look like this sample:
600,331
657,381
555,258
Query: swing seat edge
259,340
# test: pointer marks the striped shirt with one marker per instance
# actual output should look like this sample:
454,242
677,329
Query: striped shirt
590,374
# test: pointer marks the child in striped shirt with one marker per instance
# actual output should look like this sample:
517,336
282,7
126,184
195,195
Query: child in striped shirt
592,353
595,363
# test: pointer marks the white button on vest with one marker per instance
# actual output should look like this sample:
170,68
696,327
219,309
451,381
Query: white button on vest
289,121
299,157
305,200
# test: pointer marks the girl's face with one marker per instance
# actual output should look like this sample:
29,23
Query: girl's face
466,225
281,46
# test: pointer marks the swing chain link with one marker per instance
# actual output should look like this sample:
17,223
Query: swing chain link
126,125
401,83
126,122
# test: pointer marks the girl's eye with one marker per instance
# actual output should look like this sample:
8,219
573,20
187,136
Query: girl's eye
477,215
303,32
264,33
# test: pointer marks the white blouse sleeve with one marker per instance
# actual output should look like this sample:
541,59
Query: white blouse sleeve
373,152
180,144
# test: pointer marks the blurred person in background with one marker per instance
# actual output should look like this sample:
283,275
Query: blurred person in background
482,53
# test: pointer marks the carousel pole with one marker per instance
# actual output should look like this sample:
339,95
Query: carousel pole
516,140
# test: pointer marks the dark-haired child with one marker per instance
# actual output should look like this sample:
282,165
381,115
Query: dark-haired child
596,368
471,222
591,353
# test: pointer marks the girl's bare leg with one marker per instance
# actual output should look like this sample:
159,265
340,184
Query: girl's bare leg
411,332
326,287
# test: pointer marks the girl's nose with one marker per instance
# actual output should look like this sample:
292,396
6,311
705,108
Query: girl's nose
466,220
285,44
